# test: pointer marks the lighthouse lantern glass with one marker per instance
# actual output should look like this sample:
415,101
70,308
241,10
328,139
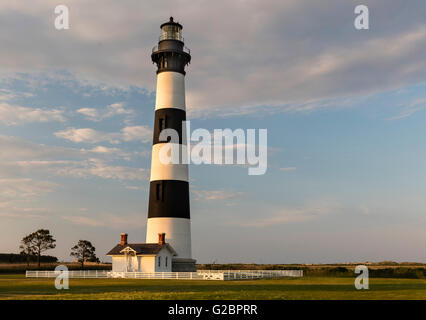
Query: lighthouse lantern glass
171,32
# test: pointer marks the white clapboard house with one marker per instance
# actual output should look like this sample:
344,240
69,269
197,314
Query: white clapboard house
142,257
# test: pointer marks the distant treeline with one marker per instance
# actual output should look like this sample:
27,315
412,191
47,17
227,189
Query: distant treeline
20,268
382,272
415,271
17,258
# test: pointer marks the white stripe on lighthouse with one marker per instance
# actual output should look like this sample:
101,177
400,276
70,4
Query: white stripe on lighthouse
170,90
160,171
178,234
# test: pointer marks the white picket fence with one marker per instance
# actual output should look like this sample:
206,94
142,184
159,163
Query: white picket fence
199,275
254,274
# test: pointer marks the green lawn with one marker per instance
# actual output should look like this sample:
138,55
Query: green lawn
18,287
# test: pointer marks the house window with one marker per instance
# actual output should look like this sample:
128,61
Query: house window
166,261
159,261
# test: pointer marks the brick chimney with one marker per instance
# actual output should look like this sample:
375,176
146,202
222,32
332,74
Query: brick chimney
123,239
161,238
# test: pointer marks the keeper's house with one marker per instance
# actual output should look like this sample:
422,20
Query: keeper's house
142,257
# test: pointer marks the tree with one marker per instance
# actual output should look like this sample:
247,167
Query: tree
37,242
84,251
26,250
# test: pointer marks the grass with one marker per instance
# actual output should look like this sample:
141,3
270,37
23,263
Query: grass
18,287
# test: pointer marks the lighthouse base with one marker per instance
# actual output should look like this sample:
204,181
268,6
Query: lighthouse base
183,265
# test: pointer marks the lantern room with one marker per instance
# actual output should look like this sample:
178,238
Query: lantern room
171,31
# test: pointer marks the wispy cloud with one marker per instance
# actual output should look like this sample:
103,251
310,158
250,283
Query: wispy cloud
110,221
84,169
88,135
410,109
17,196
101,114
24,188
290,215
98,168
16,115
19,158
18,151
10,210
288,169
83,220
212,195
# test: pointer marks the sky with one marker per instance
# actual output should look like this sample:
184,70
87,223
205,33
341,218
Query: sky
344,108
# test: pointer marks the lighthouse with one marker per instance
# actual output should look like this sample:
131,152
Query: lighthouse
168,210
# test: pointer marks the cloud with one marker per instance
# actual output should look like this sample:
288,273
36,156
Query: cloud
91,113
14,148
110,111
288,169
7,95
83,135
97,168
83,220
211,195
111,221
291,215
105,151
83,169
88,135
17,193
9,210
135,133
20,158
409,109
17,150
255,54
16,115
24,188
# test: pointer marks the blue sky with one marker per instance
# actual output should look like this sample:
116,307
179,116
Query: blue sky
344,109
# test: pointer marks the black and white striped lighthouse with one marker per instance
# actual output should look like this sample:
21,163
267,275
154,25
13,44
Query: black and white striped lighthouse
168,210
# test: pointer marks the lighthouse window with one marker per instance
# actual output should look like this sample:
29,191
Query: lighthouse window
159,191
159,261
166,261
162,123
171,32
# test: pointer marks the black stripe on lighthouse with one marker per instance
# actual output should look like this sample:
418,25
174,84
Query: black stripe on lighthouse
169,198
168,118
